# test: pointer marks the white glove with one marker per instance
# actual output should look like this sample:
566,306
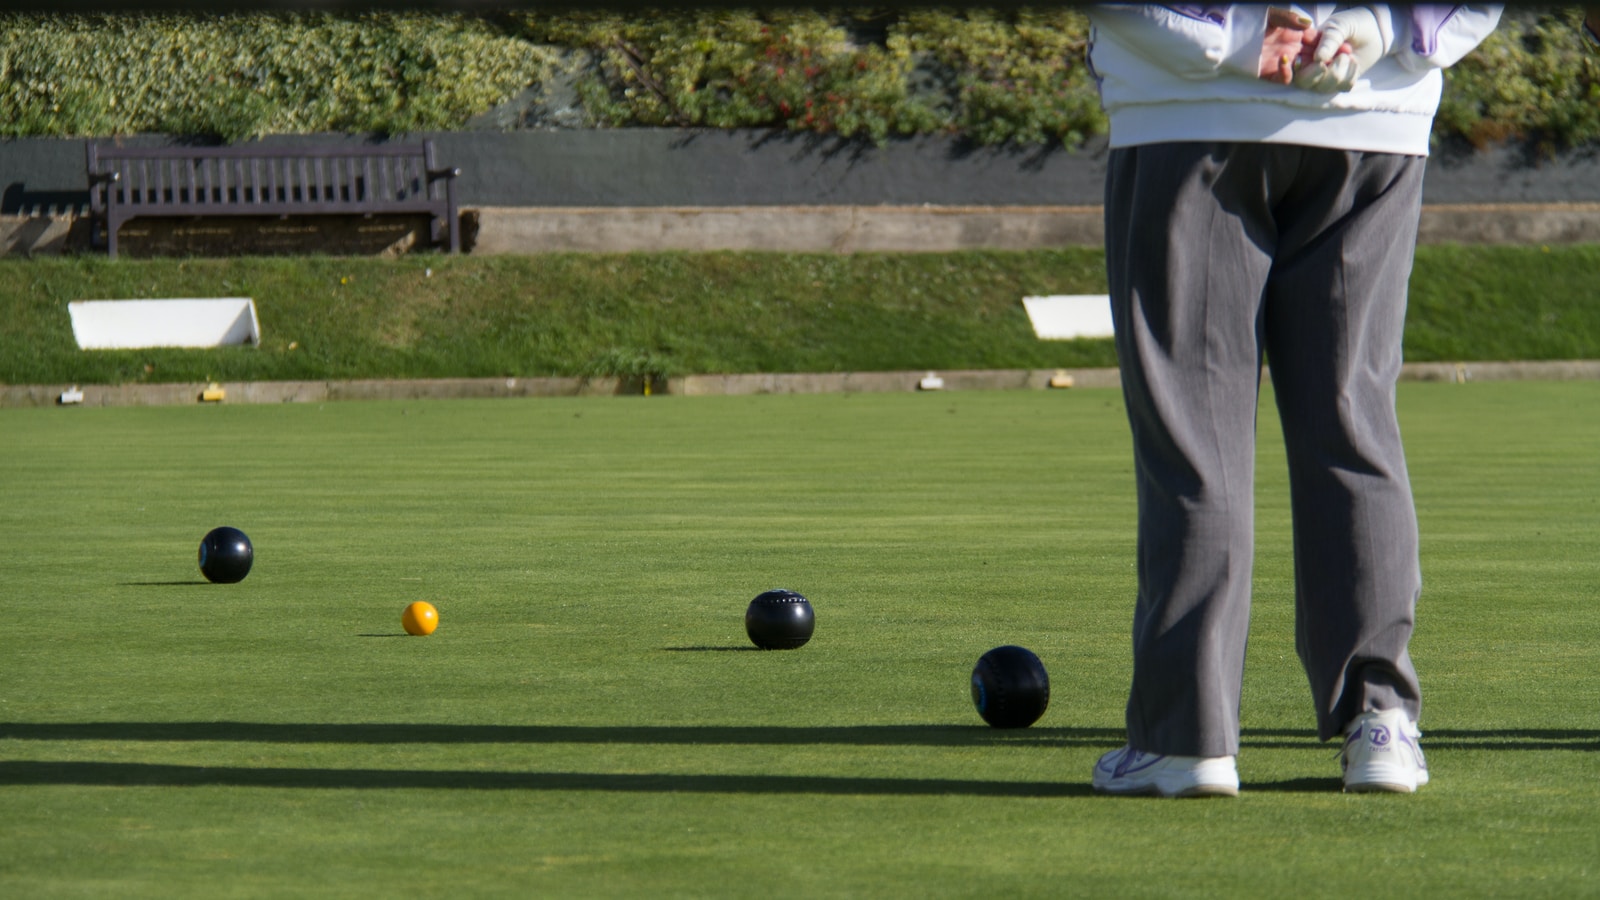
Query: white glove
1353,40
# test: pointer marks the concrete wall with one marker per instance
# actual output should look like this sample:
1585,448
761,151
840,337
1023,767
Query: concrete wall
654,189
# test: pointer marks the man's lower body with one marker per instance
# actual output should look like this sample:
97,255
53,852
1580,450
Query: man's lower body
1218,253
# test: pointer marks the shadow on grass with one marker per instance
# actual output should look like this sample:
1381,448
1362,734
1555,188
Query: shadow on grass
130,774
125,774
861,735
741,649
409,733
1434,740
1511,739
163,583
106,774
1294,786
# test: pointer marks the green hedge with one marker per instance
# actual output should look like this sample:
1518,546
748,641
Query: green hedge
993,76
241,76
1533,80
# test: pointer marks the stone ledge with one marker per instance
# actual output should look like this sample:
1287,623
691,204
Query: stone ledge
909,229
789,229
492,230
259,392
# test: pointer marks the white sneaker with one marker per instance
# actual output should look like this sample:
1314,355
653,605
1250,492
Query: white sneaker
1382,753
1129,771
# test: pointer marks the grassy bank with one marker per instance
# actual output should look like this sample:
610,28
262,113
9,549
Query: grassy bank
673,313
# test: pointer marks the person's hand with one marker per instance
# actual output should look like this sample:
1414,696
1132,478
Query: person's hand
1351,42
1287,45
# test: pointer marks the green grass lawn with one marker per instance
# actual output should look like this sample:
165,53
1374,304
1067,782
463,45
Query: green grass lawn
589,718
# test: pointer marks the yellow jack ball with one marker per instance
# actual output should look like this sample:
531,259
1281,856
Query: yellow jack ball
420,618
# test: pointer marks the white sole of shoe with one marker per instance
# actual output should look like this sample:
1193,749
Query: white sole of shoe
1194,790
1175,785
1378,788
1380,780
1207,790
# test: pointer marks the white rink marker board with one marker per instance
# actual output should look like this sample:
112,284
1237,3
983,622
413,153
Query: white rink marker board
1064,317
136,324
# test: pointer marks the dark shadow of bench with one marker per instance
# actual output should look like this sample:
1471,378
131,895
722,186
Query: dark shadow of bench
137,182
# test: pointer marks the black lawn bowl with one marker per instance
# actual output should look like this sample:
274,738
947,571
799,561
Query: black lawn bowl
779,620
1010,687
226,555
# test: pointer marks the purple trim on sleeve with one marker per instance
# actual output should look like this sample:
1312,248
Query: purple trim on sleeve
1216,14
1427,20
1088,60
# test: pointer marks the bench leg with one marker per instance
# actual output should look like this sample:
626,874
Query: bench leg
455,215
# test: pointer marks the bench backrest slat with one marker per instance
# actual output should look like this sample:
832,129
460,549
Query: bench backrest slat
266,181
144,181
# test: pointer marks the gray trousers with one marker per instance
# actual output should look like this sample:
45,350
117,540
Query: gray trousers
1218,253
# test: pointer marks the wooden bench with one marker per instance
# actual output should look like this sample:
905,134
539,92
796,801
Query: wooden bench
133,182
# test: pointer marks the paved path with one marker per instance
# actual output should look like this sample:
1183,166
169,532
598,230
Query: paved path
697,385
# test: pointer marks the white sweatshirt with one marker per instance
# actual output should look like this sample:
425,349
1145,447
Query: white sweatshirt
1189,73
